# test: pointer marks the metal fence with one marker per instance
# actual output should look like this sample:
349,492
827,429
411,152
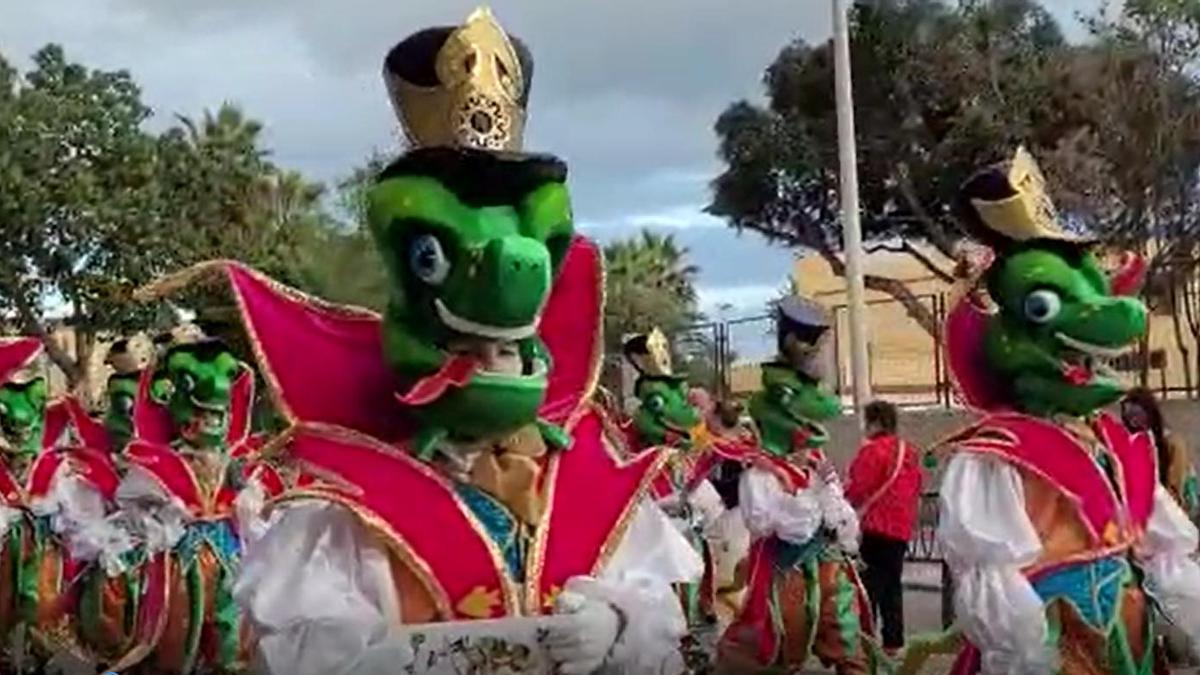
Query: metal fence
906,362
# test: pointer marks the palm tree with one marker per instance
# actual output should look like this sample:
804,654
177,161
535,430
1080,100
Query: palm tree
649,283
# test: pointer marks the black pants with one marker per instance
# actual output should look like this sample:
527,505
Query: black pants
884,559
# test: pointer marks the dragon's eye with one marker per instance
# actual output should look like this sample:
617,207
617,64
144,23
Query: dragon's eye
1042,306
655,403
427,260
785,395
123,404
187,382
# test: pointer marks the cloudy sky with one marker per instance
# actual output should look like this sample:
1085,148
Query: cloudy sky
626,90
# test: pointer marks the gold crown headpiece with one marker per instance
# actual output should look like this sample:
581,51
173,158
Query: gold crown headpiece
464,87
650,354
1028,213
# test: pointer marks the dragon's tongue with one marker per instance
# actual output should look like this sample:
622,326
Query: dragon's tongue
1077,374
457,371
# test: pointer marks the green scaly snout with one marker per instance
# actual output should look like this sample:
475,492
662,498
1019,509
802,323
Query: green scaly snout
789,405
1057,327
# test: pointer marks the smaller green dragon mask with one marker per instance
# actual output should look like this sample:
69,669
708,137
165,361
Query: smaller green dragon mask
792,405
23,415
195,385
121,393
127,358
664,414
790,410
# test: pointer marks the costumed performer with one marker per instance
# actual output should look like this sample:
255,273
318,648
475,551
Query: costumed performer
459,470
56,487
666,420
191,496
1053,522
804,596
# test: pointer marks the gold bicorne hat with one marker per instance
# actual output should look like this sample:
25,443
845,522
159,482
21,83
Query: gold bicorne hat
1011,202
650,354
462,87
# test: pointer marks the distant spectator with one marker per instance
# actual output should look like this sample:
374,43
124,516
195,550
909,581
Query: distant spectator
726,421
885,488
1140,412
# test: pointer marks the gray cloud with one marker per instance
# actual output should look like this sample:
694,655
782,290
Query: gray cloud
625,90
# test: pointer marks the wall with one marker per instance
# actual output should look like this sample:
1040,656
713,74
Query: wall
926,427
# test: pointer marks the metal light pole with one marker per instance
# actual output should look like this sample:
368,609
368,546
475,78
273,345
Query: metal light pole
851,227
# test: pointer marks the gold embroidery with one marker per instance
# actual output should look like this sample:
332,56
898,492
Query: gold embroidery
551,597
480,603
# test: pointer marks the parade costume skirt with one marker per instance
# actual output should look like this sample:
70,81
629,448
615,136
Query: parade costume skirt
802,601
1098,618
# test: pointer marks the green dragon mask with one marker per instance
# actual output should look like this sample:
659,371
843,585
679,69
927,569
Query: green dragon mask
471,241
118,418
23,415
195,386
1057,326
789,410
664,414
1058,316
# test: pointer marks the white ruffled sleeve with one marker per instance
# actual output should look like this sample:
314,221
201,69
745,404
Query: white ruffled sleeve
707,503
637,582
1168,559
8,516
317,588
79,515
769,510
837,514
156,518
988,538
249,508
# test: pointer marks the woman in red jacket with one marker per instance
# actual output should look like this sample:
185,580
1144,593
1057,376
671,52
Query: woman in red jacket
885,487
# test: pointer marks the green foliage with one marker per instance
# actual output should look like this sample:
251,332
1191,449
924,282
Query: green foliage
339,261
649,284
939,91
95,205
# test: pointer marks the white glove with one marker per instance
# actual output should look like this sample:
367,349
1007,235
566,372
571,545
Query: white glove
388,657
581,644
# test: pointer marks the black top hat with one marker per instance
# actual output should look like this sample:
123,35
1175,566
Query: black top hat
801,324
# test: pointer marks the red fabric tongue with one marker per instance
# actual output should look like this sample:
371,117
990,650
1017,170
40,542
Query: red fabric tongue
800,438
1077,374
457,371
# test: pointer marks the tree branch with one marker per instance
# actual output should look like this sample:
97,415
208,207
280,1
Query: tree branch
935,232
907,248
32,326
892,287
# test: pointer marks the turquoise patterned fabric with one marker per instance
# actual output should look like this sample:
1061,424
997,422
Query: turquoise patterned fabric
500,524
221,537
1093,588
789,556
